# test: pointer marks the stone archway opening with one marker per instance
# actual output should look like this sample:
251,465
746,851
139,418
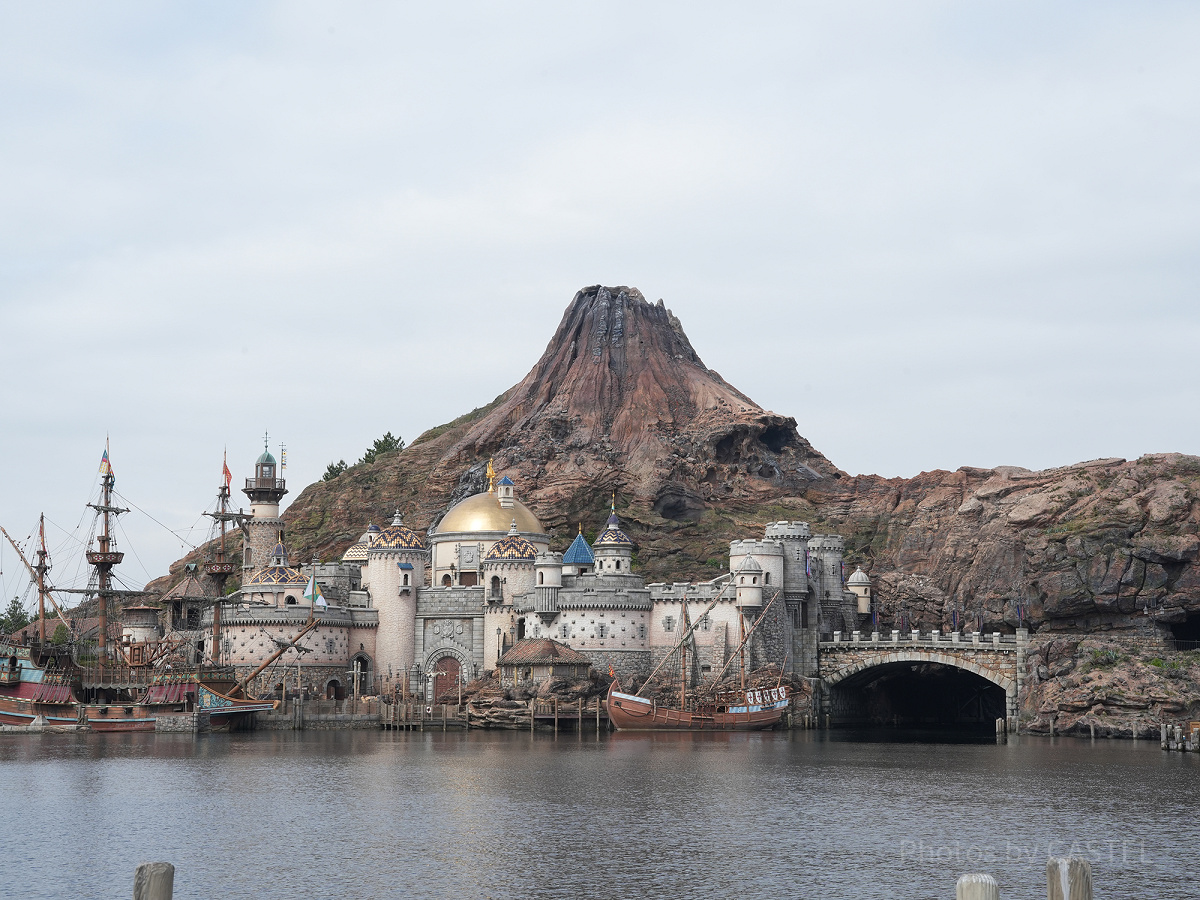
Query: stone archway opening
918,696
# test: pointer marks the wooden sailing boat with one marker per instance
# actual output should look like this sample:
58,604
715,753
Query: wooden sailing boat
107,686
210,688
742,710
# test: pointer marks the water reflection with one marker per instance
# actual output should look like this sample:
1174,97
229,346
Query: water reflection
486,814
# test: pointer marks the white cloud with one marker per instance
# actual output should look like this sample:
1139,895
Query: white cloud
937,234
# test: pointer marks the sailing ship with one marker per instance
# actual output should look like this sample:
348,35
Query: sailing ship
740,710
126,685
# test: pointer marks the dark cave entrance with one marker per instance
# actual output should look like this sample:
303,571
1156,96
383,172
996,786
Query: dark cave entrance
1187,633
918,696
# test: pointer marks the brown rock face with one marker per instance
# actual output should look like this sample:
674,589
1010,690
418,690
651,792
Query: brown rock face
620,401
1092,546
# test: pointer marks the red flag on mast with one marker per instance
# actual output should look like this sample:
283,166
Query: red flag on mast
225,470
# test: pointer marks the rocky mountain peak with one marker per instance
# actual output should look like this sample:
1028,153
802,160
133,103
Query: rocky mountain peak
620,400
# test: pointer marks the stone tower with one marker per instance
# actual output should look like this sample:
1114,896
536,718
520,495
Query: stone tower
613,549
825,560
793,538
265,528
396,563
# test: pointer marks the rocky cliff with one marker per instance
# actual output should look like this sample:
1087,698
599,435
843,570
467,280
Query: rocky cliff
620,401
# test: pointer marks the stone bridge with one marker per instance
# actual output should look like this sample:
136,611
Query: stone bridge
845,666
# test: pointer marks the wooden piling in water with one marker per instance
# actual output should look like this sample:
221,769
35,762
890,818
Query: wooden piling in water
1068,878
154,881
976,887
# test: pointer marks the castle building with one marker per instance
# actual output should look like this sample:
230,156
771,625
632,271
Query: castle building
423,612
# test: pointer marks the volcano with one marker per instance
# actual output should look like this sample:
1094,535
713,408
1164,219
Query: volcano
620,404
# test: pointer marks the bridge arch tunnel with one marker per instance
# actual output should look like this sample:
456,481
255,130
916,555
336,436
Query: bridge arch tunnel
917,693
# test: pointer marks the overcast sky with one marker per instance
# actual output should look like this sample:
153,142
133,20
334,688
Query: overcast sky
937,234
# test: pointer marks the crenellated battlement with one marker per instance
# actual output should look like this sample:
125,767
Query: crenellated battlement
828,542
755,548
788,531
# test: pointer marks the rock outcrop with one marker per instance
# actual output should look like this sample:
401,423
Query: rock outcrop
620,401
1108,687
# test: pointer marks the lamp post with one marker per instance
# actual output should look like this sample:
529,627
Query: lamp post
499,643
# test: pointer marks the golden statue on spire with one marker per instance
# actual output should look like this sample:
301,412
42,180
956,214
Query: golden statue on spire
491,477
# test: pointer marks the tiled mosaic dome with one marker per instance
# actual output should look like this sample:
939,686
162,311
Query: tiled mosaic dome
398,536
512,547
356,552
612,535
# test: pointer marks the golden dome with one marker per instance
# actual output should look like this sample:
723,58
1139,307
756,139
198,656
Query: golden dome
483,512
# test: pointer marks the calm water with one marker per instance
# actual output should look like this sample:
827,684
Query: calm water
504,815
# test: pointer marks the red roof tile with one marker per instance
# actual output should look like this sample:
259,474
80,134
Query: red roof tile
542,652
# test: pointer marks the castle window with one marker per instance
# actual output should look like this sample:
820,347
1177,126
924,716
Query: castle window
641,632
705,623
406,579
668,623
767,578
249,556
618,564
495,585
445,581
602,631
754,580
541,577
565,630
290,600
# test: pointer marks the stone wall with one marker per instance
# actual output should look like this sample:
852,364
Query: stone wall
626,665
198,722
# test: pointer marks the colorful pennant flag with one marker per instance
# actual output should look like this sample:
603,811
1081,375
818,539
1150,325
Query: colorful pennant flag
105,465
313,593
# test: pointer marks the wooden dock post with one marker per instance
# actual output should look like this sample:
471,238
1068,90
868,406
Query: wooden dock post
976,887
154,881
1068,878
597,715
556,715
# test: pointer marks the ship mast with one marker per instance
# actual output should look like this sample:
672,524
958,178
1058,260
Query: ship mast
42,567
219,569
107,555
683,658
38,573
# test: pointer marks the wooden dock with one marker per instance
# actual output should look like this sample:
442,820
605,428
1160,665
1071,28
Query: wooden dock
547,715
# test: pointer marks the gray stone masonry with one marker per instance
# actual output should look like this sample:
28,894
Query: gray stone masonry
999,659
627,664
198,722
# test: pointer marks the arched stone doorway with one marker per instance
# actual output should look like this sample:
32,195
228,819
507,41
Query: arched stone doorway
360,674
335,690
447,672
